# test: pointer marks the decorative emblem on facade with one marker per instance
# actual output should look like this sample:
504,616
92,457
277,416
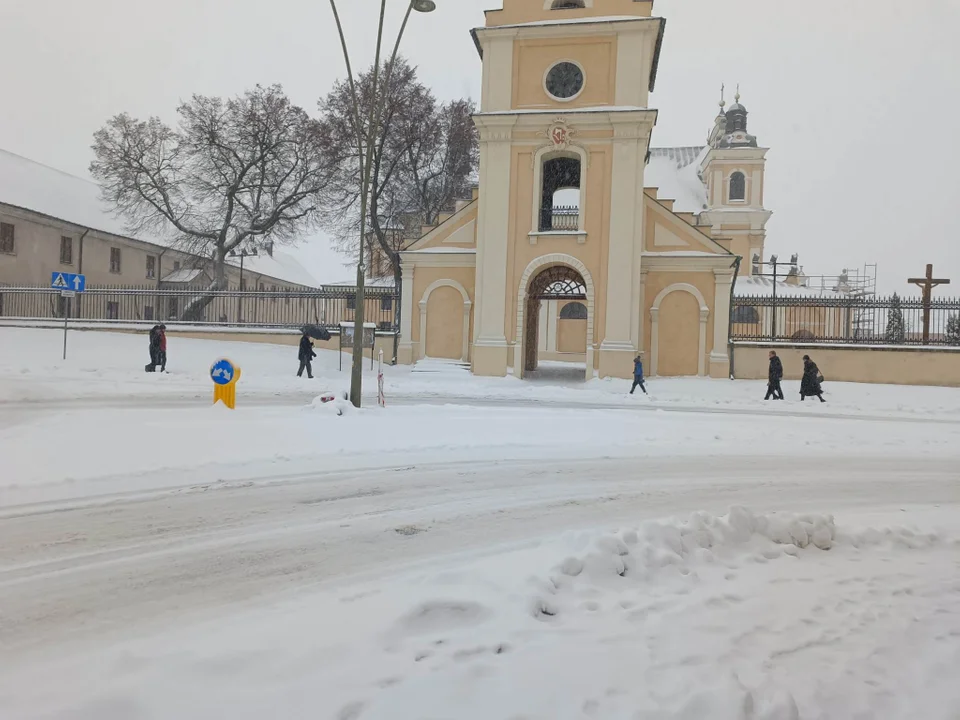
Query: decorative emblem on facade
560,134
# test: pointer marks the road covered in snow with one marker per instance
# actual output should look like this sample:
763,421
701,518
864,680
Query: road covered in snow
578,555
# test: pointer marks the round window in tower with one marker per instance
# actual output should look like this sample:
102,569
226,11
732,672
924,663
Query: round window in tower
564,80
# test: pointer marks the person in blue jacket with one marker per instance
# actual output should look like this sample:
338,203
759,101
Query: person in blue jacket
638,375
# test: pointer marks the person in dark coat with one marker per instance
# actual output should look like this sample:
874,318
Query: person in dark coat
154,349
162,355
812,383
306,356
638,375
774,378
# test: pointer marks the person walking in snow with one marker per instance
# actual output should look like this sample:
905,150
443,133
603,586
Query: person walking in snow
306,356
812,383
638,375
774,377
162,355
154,349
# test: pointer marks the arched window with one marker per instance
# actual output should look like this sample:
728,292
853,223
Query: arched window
746,314
738,186
567,4
560,176
573,311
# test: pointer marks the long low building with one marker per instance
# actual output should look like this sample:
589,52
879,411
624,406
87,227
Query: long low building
51,221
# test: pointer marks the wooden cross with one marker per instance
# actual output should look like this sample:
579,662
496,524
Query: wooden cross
928,283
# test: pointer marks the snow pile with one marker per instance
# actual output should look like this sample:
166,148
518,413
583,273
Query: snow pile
745,616
332,403
643,555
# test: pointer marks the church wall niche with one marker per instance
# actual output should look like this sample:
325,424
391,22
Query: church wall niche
444,324
679,336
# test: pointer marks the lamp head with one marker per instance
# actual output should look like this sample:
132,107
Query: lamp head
424,6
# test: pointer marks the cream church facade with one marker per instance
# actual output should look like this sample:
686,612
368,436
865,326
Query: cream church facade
583,242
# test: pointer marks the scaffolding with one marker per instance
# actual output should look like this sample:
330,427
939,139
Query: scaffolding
858,284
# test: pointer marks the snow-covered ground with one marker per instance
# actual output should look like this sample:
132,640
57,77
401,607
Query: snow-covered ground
481,548
107,369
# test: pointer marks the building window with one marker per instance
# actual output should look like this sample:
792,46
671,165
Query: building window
115,260
351,302
573,311
66,250
113,311
7,244
746,314
560,194
176,265
172,308
148,312
386,303
738,186
151,267
567,4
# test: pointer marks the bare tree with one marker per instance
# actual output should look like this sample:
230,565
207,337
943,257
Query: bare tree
423,160
248,169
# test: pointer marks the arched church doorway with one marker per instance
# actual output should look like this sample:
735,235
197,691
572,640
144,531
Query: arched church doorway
562,287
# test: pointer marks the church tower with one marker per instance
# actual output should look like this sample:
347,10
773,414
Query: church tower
564,132
733,170
566,250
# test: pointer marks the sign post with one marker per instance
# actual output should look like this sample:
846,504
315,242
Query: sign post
69,285
225,375
381,399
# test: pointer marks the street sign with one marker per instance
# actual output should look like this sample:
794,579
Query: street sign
68,293
68,281
225,376
222,372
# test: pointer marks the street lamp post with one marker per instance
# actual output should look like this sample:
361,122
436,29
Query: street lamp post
244,253
775,263
366,138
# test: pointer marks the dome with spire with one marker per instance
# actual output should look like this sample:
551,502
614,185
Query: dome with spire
736,126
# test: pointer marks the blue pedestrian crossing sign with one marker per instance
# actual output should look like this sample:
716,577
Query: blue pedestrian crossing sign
68,282
222,372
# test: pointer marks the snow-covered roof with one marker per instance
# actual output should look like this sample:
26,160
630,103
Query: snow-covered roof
575,21
763,287
567,111
380,282
183,275
442,251
281,265
684,253
675,171
33,186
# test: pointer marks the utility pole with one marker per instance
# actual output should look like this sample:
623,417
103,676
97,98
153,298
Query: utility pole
365,143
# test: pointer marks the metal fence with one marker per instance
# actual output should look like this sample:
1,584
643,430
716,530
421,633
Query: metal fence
326,306
847,320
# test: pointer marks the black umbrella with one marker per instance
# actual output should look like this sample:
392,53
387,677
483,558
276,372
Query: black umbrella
316,332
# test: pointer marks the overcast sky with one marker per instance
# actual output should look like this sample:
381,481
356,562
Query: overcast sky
856,99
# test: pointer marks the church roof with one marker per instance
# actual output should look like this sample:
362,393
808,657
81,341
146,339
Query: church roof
30,185
676,172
